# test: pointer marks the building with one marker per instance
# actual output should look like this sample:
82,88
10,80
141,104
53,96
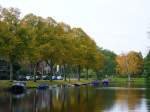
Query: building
4,69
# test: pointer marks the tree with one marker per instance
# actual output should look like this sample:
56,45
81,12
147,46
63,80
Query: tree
11,39
98,63
130,64
35,28
81,42
147,64
109,63
90,53
135,63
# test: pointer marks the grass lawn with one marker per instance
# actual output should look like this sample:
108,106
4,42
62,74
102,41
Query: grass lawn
138,81
31,84
5,84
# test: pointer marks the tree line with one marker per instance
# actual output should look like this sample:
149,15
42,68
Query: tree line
32,39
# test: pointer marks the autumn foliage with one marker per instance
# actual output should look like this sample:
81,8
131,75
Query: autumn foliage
33,39
131,63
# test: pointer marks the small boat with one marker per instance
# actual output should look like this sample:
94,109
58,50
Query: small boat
85,84
43,86
18,88
76,84
95,83
105,82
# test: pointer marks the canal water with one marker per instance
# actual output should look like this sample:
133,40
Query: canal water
78,99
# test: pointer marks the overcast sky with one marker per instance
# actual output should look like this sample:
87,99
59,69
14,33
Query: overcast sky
118,25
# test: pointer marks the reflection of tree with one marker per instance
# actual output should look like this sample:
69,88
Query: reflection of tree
34,101
82,99
104,99
129,96
87,95
134,98
14,103
74,99
10,103
58,99
43,100
51,101
77,90
6,102
148,95
66,104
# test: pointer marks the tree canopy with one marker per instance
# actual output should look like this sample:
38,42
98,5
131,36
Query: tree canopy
130,64
147,64
34,39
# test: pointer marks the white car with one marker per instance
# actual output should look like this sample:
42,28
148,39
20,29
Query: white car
59,78
44,76
54,78
29,77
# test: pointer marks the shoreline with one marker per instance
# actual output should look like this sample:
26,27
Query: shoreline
5,84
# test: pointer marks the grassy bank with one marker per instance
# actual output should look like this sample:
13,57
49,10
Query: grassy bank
137,81
31,84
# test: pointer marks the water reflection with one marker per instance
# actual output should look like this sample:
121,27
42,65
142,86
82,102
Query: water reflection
77,99
128,100
147,95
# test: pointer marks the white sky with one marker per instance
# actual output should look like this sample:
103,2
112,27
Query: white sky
118,25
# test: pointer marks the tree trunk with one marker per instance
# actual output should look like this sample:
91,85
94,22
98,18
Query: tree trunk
129,77
51,72
71,72
35,102
42,71
65,72
87,73
11,71
78,72
30,69
65,77
51,65
34,71
97,75
69,78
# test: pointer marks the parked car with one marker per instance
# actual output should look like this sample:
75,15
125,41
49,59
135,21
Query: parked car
22,78
37,78
59,78
28,77
54,77
44,76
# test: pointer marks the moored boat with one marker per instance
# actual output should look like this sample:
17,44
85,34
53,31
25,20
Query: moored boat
43,86
18,87
95,83
105,82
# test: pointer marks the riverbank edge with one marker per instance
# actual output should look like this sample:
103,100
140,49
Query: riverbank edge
4,84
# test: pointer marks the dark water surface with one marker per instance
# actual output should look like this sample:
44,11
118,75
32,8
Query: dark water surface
78,99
